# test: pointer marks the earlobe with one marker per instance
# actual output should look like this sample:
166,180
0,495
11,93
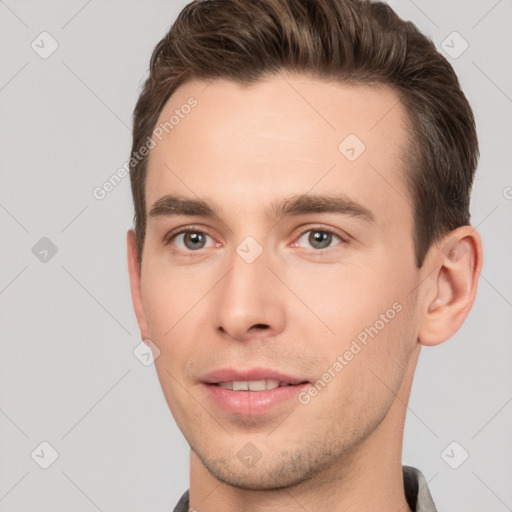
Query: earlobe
452,285
134,271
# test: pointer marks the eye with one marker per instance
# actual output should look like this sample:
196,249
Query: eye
188,240
319,238
192,240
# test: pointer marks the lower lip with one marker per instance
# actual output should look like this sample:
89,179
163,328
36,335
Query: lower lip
252,403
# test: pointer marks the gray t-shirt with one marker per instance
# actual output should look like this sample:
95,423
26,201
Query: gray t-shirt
415,487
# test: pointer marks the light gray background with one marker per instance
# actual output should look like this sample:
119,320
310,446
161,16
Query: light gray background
68,375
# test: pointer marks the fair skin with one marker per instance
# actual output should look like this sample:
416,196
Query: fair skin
299,304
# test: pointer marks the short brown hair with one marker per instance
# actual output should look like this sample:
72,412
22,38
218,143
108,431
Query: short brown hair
350,41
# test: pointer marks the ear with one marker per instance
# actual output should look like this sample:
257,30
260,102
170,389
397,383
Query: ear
451,287
134,271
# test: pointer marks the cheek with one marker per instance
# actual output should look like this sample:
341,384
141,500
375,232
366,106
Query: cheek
370,323
368,369
169,294
349,297
176,301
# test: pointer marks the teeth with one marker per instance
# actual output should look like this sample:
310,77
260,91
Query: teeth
253,385
272,383
256,385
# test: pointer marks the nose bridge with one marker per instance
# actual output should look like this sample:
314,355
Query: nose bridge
248,296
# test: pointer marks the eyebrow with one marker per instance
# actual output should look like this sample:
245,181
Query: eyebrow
173,205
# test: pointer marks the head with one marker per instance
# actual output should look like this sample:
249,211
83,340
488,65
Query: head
294,119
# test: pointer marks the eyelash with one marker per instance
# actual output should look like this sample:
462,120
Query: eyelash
191,229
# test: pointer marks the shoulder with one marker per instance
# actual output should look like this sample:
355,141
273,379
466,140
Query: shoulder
416,490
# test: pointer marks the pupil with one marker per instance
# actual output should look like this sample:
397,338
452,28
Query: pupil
320,237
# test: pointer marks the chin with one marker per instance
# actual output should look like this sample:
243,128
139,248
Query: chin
282,474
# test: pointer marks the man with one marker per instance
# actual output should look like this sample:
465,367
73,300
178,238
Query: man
301,173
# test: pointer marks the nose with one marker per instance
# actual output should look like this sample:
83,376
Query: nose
250,301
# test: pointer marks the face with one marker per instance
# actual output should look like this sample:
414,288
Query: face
297,266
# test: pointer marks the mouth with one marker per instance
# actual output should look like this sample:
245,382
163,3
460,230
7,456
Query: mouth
252,392
254,385
254,378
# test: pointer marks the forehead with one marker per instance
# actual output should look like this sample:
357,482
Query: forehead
285,135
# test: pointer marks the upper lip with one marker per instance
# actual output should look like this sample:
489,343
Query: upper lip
258,373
